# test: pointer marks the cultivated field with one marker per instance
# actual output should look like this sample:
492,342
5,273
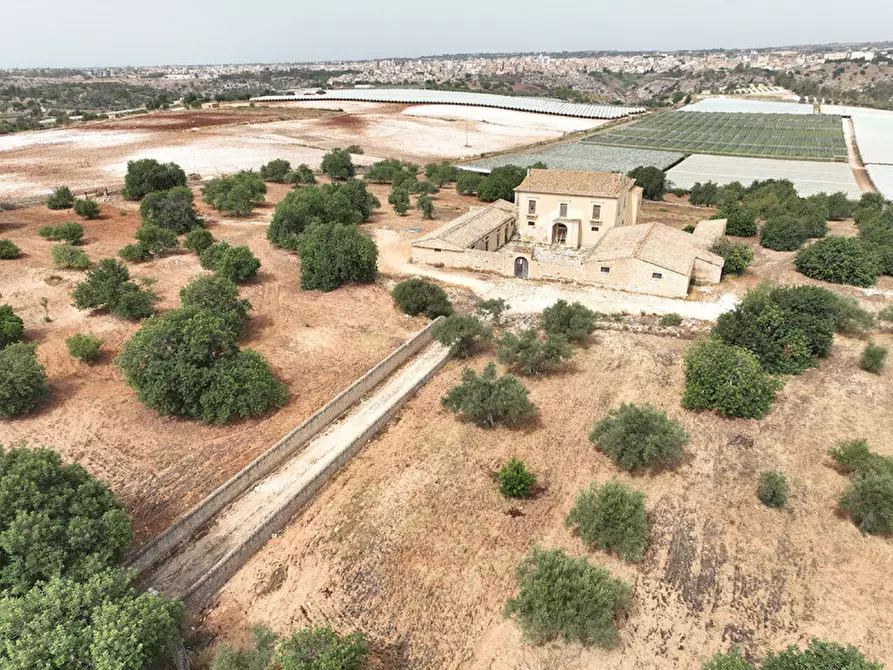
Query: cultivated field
817,137
584,156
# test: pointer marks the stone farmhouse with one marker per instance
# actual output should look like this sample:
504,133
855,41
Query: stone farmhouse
576,226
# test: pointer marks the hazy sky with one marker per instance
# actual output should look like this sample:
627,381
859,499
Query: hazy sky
102,32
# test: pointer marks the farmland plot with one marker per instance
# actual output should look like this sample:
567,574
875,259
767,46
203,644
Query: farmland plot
579,156
814,137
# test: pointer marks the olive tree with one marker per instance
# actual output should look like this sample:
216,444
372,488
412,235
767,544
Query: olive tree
147,175
332,255
488,399
23,382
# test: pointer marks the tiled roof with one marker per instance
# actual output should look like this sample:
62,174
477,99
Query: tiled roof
573,182
653,243
464,231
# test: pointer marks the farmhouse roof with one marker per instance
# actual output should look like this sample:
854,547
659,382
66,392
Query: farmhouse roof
462,232
575,182
707,232
654,243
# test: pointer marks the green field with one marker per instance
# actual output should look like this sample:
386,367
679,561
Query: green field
802,136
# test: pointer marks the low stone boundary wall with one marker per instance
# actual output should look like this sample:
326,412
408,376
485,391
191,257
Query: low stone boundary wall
200,593
188,525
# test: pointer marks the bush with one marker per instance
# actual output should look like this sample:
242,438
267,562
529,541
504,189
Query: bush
9,250
425,205
390,171
500,184
399,200
559,596
85,348
69,257
147,175
740,221
237,264
107,286
729,380
772,489
55,521
840,260
23,383
840,207
738,256
276,171
11,326
70,231
886,314
492,309
819,655
639,436
219,296
134,253
850,317
688,229
652,180
355,149
611,517
704,194
461,332
235,195
467,183
332,255
574,321
869,501
515,480
337,164
873,357
487,399
156,241
854,457
172,210
417,296
783,233
671,319
61,198
530,355
730,661
302,175
197,240
89,209
100,622
263,644
185,362
441,173
321,648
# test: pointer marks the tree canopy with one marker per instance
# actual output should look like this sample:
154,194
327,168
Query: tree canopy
147,175
332,255
237,194
338,164
172,210
652,180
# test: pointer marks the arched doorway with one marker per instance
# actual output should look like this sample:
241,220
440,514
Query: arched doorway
522,267
559,234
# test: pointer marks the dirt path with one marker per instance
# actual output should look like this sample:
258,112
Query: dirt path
863,181
247,515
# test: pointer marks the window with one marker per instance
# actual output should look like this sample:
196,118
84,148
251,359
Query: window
605,269
596,212
594,229
657,275
562,210
531,223
531,207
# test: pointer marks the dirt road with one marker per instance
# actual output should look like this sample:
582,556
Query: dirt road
859,172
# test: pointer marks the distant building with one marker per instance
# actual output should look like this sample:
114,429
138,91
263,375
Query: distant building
580,226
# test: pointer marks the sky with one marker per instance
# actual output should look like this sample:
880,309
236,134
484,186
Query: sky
65,33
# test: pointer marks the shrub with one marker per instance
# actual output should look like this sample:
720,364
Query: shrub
515,480
850,317
197,240
869,501
276,170
156,241
23,383
391,171
355,149
237,264
100,622
147,175
134,253
467,183
11,326
688,229
399,200
611,517
461,332
854,457
738,256
219,296
639,436
263,644
107,286
730,661
425,205
729,380
69,257
321,648
574,321
70,231
840,260
487,399
441,173
172,210
55,521
886,314
530,355
492,309
236,195
89,209
671,319
772,489
740,221
873,357
83,347
418,296
500,184
337,164
652,180
61,198
185,362
559,596
332,255
9,250
302,175
840,207
819,655
783,233
704,194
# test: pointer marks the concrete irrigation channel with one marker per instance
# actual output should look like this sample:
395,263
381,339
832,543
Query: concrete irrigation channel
198,554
